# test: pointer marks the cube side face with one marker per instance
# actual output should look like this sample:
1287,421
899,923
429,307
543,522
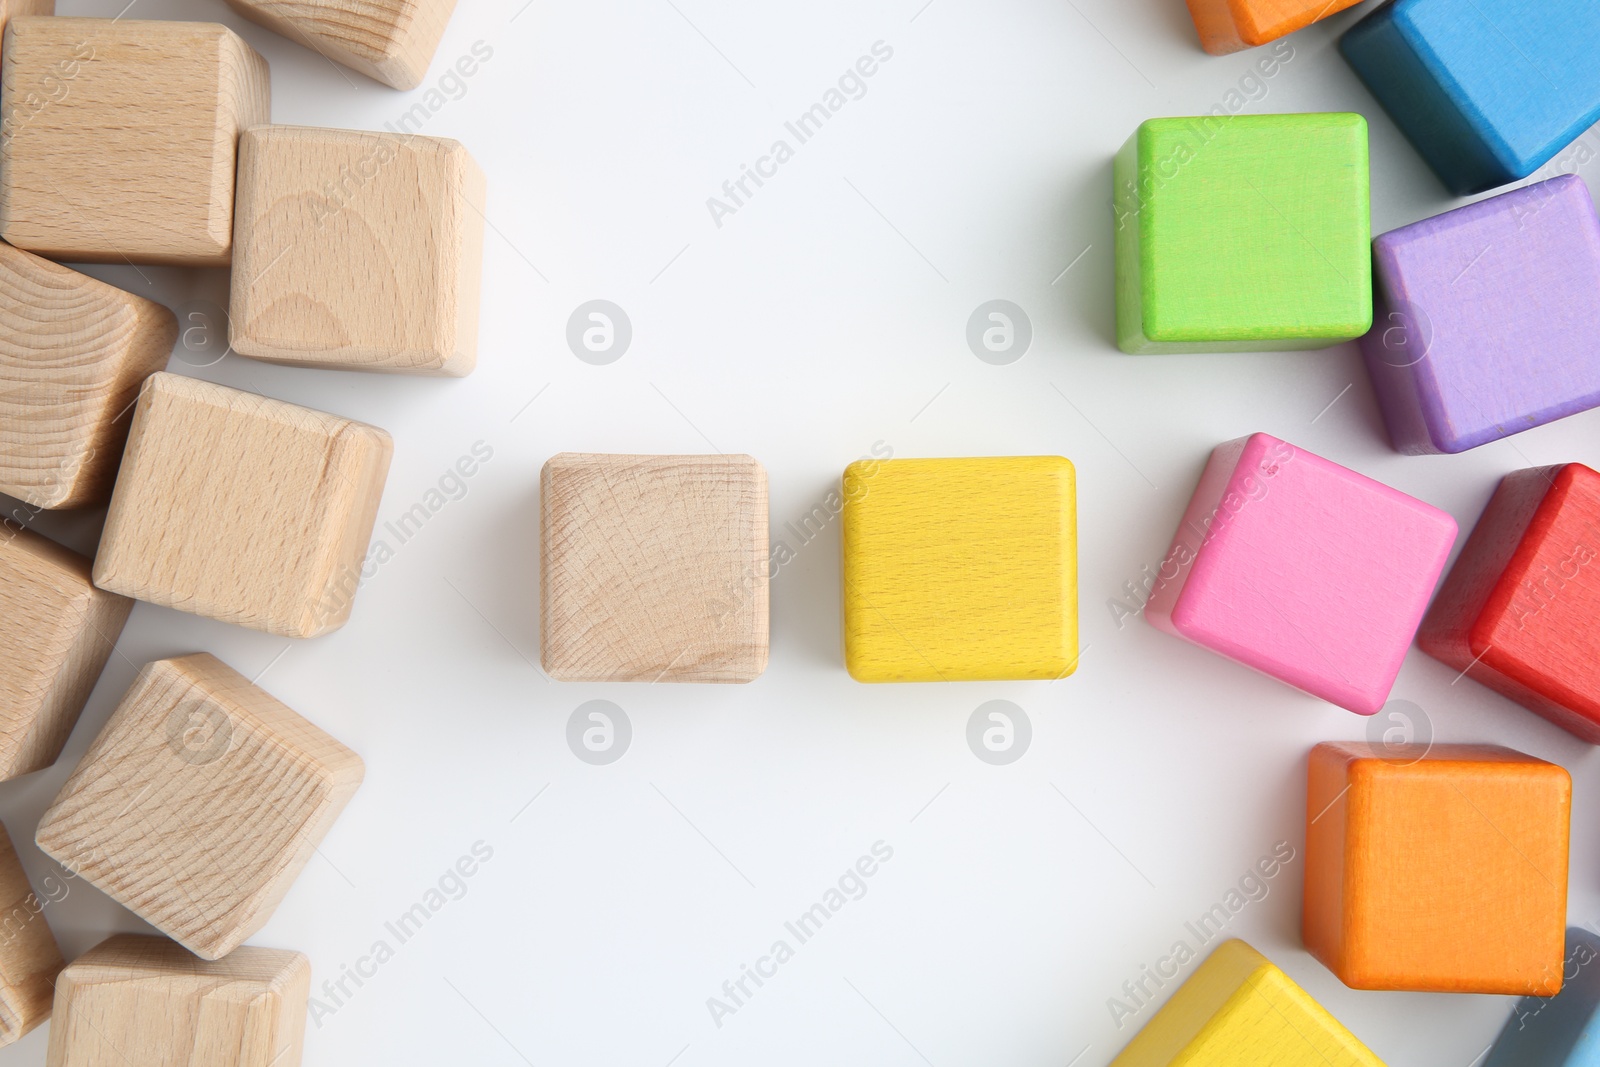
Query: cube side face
1204,516
392,41
960,569
29,956
1227,26
1323,910
1561,1030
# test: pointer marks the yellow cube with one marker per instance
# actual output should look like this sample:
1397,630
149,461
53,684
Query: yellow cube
960,570
1240,1009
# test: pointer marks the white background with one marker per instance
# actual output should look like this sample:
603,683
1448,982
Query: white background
826,315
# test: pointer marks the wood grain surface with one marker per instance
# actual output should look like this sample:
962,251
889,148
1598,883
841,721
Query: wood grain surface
29,956
390,40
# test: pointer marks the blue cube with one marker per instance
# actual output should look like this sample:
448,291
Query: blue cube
1558,1031
1488,91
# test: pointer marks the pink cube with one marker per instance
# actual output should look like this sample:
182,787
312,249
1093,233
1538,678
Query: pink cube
1303,570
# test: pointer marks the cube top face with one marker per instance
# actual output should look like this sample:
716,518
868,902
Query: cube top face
357,250
146,1000
1422,849
960,569
390,40
73,352
1233,25
1489,317
1244,232
199,803
1304,570
120,137
655,568
241,508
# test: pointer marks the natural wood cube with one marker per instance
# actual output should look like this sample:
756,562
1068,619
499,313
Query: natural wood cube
73,353
56,633
357,250
199,803
134,1001
390,40
240,508
29,956
120,136
654,568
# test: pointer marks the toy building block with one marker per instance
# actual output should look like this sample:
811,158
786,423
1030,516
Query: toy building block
1518,611
1558,1031
390,40
199,803
357,250
11,8
1303,570
1238,1008
147,1001
240,508
1243,232
1488,91
119,137
56,633
29,957
960,569
654,568
1486,318
1438,870
73,352
1234,25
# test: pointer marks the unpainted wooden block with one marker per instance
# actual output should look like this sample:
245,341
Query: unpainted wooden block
29,956
1238,1008
56,633
1233,25
241,508
199,803
120,137
390,40
1437,870
357,250
9,8
73,353
145,1001
654,568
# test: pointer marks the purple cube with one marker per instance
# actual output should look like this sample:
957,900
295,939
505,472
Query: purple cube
1487,318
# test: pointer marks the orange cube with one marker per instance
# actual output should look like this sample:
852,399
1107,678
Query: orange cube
1439,870
1234,25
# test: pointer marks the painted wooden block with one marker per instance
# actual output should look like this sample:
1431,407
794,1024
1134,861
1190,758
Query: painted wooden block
1520,611
1486,318
1303,570
960,569
1558,1031
1489,91
390,40
357,250
1233,25
73,353
147,1001
241,508
56,633
199,803
1238,233
1236,1009
119,137
29,956
1439,870
654,568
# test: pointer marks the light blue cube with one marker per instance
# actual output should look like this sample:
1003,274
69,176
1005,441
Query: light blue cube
1488,91
1558,1031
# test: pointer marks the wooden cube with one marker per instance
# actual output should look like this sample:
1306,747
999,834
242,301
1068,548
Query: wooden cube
199,803
56,633
1303,570
392,41
654,568
146,1001
357,250
240,508
1520,611
119,137
73,353
1559,1031
1234,25
1439,870
29,956
1243,232
1237,1009
960,569
1486,318
1487,91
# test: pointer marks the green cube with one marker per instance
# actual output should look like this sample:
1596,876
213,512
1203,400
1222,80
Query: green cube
1243,233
